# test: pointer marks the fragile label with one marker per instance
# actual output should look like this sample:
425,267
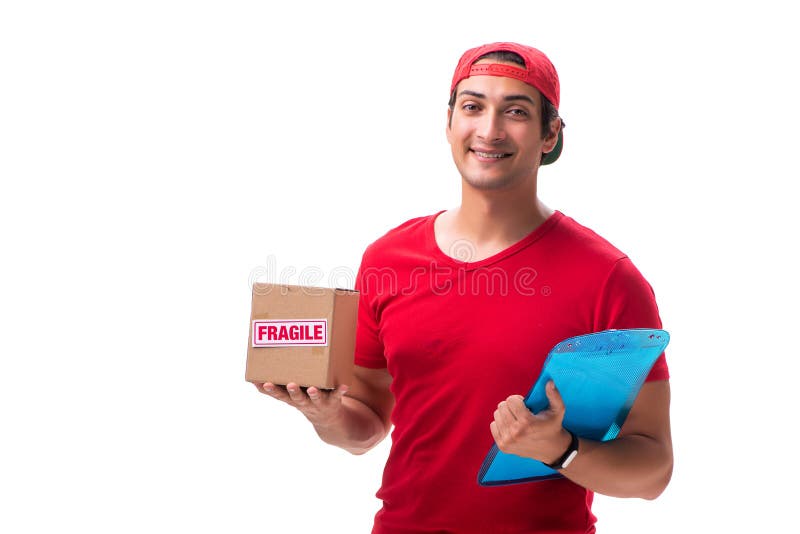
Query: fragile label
276,333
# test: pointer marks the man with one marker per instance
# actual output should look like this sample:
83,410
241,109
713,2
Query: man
458,311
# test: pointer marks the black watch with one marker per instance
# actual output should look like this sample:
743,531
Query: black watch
567,457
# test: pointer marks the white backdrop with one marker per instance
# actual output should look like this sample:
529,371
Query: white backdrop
157,156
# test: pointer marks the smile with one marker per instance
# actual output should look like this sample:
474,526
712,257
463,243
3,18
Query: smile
496,155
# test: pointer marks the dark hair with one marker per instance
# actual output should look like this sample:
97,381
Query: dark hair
549,111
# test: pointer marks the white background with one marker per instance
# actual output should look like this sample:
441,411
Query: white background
156,156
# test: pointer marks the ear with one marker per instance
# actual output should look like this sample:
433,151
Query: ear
552,139
447,129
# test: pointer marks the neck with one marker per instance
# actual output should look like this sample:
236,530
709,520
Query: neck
500,216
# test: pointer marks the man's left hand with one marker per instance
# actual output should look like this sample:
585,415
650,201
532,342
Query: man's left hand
516,430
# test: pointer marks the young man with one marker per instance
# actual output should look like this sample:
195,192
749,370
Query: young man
458,311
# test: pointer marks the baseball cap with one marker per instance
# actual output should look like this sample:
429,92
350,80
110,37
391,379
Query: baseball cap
538,72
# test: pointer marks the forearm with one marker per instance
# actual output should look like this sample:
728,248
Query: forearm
630,466
636,464
356,429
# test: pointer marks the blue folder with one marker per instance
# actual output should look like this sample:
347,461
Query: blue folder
598,376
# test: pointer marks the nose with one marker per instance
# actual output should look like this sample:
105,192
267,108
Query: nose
490,128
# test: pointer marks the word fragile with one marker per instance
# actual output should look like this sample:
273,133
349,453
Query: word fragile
274,333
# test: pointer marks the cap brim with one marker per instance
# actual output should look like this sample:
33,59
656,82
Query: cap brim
552,156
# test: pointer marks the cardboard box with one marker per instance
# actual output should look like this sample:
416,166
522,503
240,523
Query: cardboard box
300,334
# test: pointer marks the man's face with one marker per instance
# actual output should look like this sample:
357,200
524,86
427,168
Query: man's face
495,132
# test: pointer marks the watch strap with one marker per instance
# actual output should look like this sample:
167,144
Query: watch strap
568,455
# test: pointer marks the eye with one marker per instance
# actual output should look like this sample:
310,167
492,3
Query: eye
518,112
469,106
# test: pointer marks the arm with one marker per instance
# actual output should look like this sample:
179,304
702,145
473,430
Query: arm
354,418
636,464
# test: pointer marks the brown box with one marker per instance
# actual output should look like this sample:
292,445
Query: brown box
301,334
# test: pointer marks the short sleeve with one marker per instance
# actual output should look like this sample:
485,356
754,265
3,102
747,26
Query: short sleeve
627,301
369,348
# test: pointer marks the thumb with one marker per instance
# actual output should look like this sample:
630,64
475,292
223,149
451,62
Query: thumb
556,402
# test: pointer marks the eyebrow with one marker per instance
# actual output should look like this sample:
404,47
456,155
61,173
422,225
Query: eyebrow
507,98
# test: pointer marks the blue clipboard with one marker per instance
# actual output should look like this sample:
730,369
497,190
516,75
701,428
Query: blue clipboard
598,376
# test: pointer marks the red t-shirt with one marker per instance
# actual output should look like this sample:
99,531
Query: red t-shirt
458,338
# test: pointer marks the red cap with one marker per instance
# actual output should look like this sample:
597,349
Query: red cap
538,72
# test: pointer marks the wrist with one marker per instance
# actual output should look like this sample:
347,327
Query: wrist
570,451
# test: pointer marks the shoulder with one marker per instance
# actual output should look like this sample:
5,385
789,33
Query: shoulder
602,262
620,296
586,256
410,233
589,243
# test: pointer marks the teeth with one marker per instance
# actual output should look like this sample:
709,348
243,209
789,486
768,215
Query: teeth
488,155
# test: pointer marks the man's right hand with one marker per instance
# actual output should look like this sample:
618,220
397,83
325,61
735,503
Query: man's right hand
355,417
322,408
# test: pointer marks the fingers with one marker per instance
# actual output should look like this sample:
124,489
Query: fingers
556,402
318,396
503,419
277,392
293,394
503,414
313,394
318,406
298,397
290,394
495,432
516,405
517,430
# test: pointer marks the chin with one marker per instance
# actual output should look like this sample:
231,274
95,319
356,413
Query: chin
489,183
